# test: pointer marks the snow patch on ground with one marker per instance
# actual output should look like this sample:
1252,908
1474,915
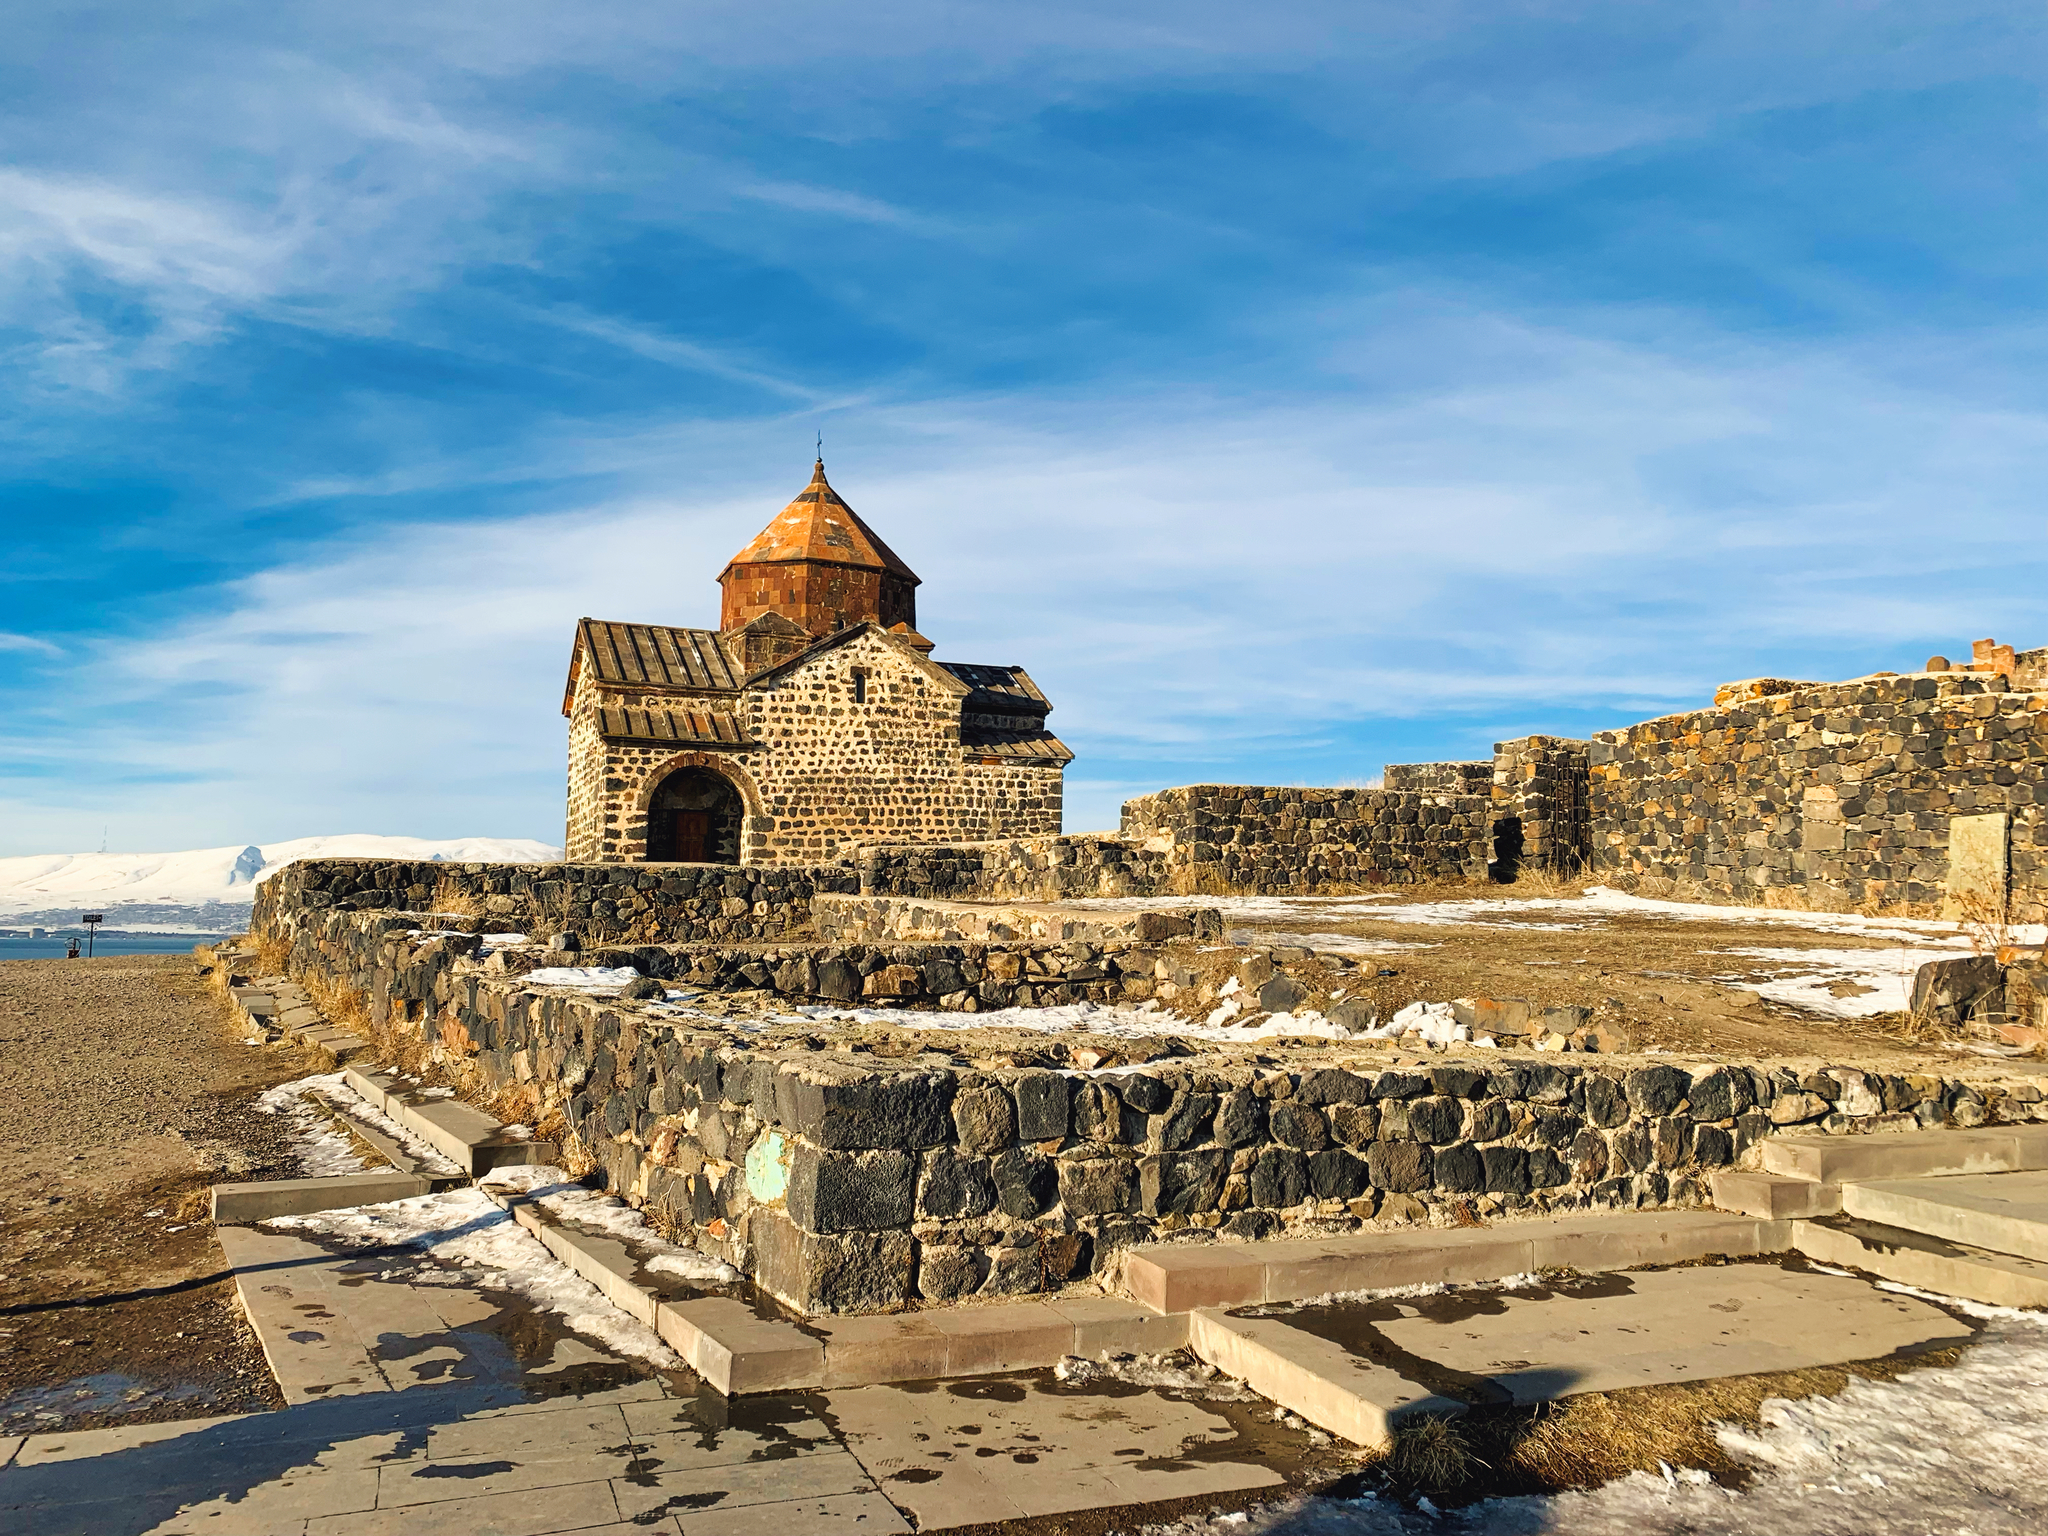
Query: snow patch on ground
1585,910
1954,1450
588,978
320,1136
321,1148
486,1247
566,1200
1178,1371
1808,974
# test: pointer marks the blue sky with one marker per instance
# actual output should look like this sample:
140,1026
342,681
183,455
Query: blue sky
1292,389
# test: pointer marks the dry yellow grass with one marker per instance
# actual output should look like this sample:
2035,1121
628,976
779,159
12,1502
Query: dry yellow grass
1582,1442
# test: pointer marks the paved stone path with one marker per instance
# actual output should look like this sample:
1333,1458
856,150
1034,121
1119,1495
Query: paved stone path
421,1403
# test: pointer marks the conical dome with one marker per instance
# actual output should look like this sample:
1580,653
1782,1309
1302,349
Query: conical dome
818,565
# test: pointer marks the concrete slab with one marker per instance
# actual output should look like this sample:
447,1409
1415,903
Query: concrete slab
1176,1277
736,1350
869,1514
1357,1368
1319,1379
1907,1154
678,1492
1666,1325
312,1348
237,1204
1773,1196
2004,1212
578,1507
468,1137
1014,1448
1931,1263
1112,1323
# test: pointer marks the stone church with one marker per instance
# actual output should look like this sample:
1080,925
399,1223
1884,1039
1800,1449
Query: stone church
812,717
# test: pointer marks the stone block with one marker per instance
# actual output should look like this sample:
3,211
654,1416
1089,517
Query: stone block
954,1185
830,1272
831,1191
1041,1106
1097,1186
850,1109
1181,1183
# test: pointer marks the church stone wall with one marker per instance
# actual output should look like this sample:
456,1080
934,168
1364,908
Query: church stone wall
1840,794
827,770
892,768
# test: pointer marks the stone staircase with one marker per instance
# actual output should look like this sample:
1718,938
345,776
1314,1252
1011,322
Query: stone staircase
1960,1212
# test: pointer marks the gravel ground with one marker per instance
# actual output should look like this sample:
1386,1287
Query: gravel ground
124,1094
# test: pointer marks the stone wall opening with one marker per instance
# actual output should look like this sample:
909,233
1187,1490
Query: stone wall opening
694,818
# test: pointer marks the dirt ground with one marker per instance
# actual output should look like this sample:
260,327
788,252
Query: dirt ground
1681,986
124,1094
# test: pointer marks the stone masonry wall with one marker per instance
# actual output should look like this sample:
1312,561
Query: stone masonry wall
852,1181
602,903
826,770
1278,841
1026,869
1540,811
1832,795
1442,780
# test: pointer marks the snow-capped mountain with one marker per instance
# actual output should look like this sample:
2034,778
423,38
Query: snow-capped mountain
208,890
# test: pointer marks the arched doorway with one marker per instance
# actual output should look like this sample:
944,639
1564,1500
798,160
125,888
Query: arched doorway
694,818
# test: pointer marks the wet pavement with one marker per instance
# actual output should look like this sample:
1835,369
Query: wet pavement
423,1401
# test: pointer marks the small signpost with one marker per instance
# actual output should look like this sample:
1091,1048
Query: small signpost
92,921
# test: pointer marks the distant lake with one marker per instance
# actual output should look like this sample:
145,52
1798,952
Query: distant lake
105,944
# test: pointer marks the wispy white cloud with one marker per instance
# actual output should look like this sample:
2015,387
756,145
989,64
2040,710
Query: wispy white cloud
839,204
1192,580
10,642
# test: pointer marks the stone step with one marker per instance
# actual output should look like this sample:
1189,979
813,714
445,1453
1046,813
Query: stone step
1907,1154
2002,1212
467,1136
1773,1196
241,1204
1179,1277
396,1153
1359,1369
1931,1263
740,1348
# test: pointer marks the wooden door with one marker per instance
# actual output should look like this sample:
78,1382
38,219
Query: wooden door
690,836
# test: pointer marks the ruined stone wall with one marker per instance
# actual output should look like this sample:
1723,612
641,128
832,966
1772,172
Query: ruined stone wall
1840,794
856,1181
1442,780
1541,818
1281,840
601,903
826,769
1024,869
877,919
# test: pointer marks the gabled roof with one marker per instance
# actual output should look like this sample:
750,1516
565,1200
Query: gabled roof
999,690
820,528
839,637
651,656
